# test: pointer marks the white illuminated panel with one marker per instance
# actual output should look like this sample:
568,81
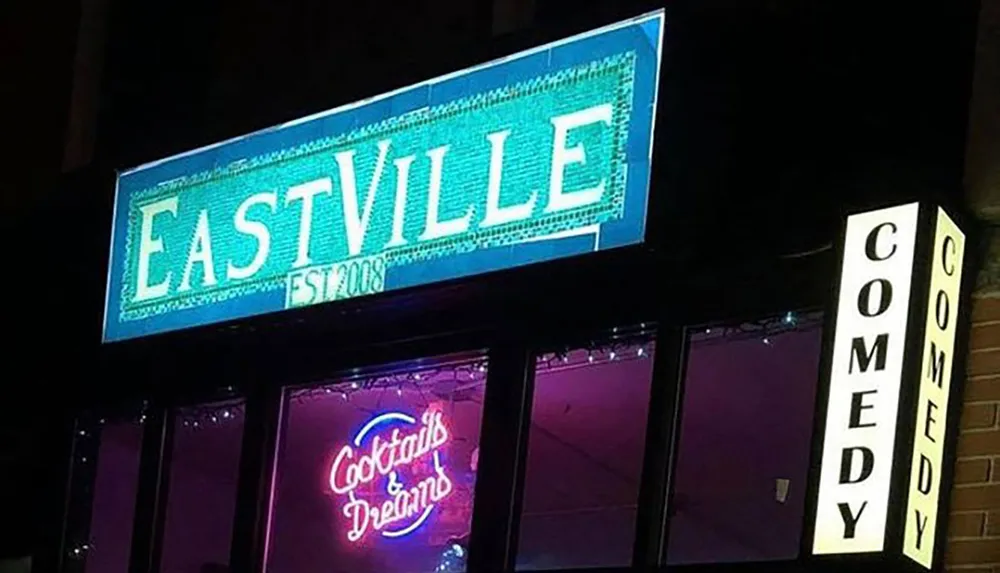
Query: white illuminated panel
937,359
865,376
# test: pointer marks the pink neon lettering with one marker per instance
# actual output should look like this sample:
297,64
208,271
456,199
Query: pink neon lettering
405,505
383,457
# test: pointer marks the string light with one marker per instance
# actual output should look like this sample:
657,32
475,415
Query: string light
207,415
763,330
79,550
452,559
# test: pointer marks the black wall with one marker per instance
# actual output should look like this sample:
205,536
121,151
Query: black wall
775,117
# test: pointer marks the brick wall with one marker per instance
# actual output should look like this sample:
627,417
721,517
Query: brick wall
974,528
974,525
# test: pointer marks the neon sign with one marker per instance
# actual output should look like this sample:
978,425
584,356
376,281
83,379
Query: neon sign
409,461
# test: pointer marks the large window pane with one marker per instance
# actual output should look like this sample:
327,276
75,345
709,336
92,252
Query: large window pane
745,435
375,474
105,482
585,452
204,470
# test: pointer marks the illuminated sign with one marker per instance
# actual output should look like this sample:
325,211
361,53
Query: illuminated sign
866,370
935,386
538,156
405,460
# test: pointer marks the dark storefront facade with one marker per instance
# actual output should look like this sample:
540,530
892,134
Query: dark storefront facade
624,298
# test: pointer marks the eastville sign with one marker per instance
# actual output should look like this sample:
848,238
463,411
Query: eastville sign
890,379
542,155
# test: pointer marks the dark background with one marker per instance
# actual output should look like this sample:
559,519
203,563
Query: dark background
776,116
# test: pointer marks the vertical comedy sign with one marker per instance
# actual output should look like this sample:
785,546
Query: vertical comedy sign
937,360
866,370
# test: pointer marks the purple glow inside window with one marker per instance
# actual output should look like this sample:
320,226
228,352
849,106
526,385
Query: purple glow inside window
113,506
745,434
585,451
377,473
201,502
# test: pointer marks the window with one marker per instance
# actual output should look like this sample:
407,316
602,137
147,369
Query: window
376,473
201,495
106,455
745,433
585,452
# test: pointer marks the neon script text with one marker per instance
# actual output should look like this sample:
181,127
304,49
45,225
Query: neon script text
402,452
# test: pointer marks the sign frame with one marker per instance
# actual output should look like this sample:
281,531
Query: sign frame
119,325
892,553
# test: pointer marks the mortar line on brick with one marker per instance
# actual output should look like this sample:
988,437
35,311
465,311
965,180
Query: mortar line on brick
985,430
984,350
978,377
986,483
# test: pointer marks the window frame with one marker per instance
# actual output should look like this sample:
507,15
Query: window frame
746,291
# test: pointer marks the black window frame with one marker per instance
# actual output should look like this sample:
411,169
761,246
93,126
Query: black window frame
725,293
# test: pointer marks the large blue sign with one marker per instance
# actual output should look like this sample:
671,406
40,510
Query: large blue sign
534,157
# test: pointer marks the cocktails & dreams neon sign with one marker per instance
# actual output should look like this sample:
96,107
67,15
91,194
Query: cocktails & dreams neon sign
401,456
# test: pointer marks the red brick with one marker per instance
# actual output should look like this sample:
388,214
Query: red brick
985,443
984,362
966,524
982,390
985,308
972,552
976,498
979,416
993,524
985,336
972,471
